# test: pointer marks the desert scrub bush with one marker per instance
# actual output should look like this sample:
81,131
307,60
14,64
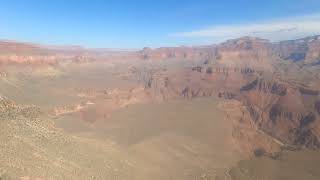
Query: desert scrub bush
8,109
31,112
4,175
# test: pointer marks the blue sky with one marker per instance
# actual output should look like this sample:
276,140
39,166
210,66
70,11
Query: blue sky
155,23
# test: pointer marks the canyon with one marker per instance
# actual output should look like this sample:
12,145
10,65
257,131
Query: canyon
219,111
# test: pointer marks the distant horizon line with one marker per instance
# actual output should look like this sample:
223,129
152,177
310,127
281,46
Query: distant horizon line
83,47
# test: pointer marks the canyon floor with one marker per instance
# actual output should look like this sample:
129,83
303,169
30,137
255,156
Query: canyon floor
91,135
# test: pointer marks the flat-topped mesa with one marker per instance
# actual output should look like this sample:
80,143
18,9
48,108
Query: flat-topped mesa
246,49
245,52
176,53
245,43
26,53
256,53
242,52
18,47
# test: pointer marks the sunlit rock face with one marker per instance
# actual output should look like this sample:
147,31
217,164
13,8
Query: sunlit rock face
283,111
304,50
277,83
247,69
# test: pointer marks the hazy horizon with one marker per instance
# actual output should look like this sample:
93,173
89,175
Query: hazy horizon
127,25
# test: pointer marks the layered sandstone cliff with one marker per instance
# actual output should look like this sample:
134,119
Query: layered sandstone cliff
276,84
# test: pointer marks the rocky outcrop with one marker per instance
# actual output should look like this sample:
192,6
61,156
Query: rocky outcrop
304,50
226,95
198,81
262,85
283,111
257,73
311,92
249,139
176,53
6,105
9,110
245,51
67,109
241,52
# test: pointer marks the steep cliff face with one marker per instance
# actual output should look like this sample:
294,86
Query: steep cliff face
276,103
249,139
275,108
198,81
306,50
244,52
247,51
283,111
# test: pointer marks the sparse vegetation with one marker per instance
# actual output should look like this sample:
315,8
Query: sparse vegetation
95,118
